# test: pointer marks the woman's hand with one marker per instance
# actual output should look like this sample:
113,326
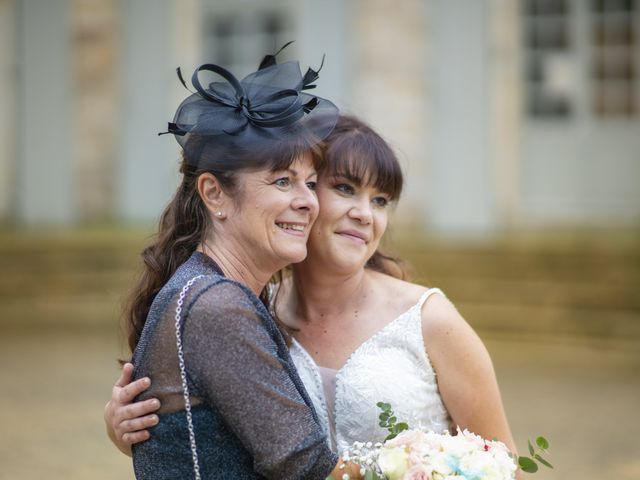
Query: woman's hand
127,422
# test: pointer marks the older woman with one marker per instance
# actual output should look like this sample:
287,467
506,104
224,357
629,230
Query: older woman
360,334
232,405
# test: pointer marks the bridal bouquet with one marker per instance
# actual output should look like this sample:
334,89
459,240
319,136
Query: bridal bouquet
419,455
425,455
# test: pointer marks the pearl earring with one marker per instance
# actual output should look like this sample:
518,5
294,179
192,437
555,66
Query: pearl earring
218,213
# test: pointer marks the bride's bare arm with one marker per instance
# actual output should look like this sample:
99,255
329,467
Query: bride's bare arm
127,422
465,373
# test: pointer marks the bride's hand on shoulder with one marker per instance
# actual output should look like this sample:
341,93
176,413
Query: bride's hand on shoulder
465,373
127,422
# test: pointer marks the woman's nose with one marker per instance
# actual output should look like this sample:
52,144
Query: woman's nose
362,212
305,199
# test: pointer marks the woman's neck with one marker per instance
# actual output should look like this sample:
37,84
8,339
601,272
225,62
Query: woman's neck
320,296
238,266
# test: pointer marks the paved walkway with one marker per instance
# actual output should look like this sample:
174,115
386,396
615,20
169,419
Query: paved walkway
54,386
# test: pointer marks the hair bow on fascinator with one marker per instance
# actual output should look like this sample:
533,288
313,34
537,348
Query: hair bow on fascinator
267,105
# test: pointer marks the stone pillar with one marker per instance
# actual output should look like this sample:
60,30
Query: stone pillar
505,109
389,87
95,105
8,114
45,180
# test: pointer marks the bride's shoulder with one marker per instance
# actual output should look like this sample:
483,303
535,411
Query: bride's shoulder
439,314
401,292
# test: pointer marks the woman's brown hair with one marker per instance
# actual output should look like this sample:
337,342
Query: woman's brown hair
185,222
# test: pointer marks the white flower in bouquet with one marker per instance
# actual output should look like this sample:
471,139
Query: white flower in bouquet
394,462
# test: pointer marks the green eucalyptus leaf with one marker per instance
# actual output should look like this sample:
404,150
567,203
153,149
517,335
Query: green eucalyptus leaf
542,461
527,465
531,449
542,442
393,420
402,426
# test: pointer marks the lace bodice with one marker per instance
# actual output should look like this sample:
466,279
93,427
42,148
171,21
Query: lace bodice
391,366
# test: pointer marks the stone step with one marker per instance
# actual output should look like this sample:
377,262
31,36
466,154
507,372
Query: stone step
81,280
505,319
585,293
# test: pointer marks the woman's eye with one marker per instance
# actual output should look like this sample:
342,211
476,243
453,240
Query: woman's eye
345,188
380,201
311,185
282,182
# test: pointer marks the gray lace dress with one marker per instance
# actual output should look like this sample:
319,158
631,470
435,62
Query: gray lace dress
251,415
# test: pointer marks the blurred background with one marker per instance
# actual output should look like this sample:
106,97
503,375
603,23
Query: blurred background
518,126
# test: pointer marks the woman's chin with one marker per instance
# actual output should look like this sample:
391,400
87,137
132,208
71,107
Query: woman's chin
294,255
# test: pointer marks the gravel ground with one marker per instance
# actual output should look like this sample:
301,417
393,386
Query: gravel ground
584,399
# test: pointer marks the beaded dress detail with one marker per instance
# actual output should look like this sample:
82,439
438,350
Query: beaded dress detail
391,366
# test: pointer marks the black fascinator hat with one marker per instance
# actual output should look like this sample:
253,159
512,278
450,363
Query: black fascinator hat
268,107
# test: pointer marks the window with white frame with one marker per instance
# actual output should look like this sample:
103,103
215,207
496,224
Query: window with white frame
614,57
581,56
548,57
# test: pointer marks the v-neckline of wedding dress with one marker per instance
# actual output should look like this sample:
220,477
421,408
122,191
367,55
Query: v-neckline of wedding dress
371,338
394,353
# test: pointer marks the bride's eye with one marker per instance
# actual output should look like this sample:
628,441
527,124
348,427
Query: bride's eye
311,185
380,201
345,188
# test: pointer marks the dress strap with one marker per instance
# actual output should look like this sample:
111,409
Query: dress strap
426,295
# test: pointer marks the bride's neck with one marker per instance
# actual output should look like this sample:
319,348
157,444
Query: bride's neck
318,295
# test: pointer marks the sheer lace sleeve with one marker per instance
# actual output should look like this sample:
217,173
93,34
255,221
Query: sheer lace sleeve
233,360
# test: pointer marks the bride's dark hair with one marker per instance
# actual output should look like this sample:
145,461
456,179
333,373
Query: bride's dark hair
355,151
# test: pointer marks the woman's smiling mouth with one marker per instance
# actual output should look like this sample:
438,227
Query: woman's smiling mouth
296,229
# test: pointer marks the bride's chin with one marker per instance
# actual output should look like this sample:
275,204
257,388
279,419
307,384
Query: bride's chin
348,266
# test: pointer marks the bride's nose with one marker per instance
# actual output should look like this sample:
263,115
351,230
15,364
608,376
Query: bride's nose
361,211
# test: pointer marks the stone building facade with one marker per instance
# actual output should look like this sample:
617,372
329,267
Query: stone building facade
506,114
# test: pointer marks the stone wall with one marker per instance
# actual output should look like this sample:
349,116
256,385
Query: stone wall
390,90
96,46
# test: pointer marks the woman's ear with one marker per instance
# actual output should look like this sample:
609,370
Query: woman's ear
212,195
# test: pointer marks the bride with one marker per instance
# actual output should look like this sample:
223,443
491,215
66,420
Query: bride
358,333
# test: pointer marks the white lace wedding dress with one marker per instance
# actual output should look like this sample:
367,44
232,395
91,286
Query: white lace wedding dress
391,366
